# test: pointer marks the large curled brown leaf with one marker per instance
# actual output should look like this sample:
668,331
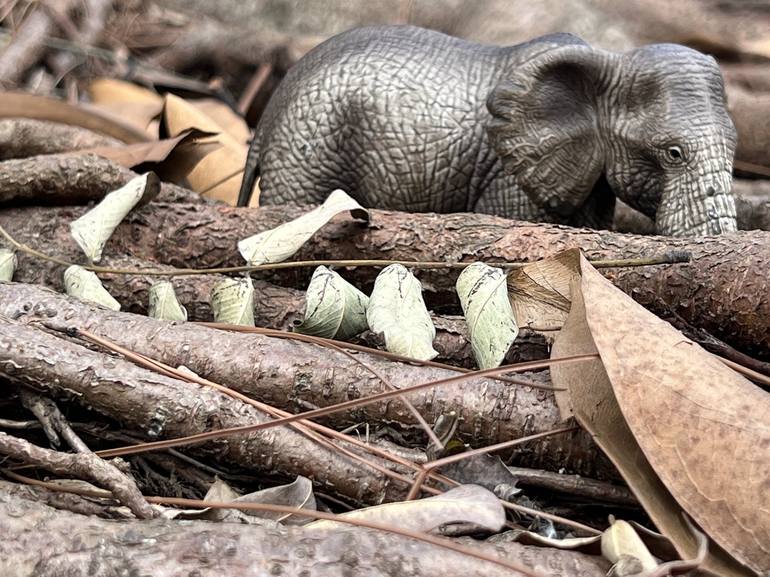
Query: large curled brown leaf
687,433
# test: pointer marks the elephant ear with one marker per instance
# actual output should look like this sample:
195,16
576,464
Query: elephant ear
545,125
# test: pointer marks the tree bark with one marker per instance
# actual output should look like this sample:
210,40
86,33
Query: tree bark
71,179
42,541
160,407
723,290
297,376
24,137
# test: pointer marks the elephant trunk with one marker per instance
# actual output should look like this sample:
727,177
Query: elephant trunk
699,205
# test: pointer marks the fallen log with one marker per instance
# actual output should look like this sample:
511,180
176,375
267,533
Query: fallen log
44,541
71,178
156,406
297,376
723,290
24,137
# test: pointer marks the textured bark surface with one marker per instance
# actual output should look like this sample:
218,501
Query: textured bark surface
23,137
297,376
724,290
42,541
157,406
71,179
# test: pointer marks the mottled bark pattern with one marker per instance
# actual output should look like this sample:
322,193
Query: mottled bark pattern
724,290
40,541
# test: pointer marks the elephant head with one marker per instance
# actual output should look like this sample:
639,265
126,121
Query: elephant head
652,122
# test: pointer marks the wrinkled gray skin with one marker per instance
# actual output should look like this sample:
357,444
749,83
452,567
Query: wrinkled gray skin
550,130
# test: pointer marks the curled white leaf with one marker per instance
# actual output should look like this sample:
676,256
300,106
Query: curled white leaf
232,301
334,308
7,264
397,311
92,230
164,304
492,327
620,541
281,242
85,285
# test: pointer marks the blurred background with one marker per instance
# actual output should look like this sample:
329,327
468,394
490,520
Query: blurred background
237,52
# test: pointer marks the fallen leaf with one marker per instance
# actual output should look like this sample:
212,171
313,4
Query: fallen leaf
155,153
298,494
85,285
463,505
487,309
231,122
232,301
112,90
164,304
686,432
334,308
620,540
23,105
397,311
280,243
92,230
219,174
7,264
540,292
142,116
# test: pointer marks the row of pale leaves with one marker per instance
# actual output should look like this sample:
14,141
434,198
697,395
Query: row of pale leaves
334,307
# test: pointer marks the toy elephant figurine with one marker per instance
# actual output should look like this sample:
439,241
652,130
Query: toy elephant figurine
551,130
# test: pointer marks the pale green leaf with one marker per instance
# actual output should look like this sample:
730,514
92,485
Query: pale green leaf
397,311
334,308
280,243
92,230
492,328
85,285
232,301
7,264
164,304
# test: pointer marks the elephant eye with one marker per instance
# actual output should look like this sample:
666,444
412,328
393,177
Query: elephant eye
674,153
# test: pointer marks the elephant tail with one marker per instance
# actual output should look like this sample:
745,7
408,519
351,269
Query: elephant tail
250,172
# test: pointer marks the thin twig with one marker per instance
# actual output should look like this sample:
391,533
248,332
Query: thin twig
363,349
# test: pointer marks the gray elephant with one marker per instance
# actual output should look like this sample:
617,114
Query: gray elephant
551,130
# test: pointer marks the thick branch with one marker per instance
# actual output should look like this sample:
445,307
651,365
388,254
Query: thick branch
297,376
722,291
71,179
23,137
161,407
275,306
41,541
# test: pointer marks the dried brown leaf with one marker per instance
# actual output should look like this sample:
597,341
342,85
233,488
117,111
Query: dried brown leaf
219,174
686,432
159,152
21,105
540,291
